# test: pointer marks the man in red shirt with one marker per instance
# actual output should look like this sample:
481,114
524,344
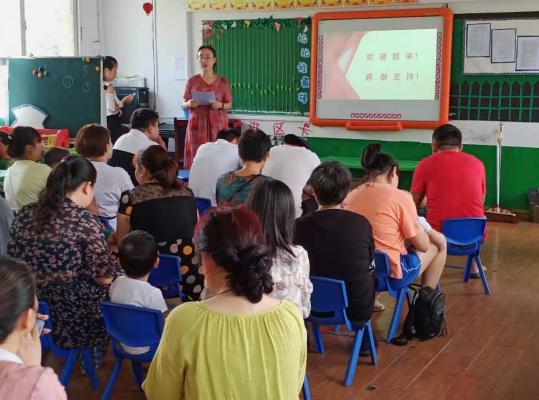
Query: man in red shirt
452,181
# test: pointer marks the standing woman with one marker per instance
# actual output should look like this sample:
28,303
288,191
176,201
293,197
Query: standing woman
205,120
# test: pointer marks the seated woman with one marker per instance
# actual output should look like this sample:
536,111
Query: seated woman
395,224
241,343
64,246
164,207
339,242
5,160
21,375
273,202
234,187
94,143
25,178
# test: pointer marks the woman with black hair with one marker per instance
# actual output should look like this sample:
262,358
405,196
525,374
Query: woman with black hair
205,120
21,375
233,187
64,246
395,224
273,202
164,207
5,159
113,103
25,178
241,343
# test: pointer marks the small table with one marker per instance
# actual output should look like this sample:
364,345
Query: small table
355,162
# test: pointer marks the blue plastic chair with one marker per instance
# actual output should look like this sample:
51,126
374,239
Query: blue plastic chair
135,327
381,261
464,238
329,299
306,390
71,355
202,205
183,174
167,276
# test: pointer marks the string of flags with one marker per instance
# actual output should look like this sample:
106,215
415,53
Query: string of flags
244,5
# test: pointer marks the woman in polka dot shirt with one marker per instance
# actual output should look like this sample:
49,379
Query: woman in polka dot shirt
166,209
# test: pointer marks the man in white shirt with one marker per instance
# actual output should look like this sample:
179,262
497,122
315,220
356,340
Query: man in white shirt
292,163
212,160
143,134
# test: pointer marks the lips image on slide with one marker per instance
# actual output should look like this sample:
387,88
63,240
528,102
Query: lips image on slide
340,47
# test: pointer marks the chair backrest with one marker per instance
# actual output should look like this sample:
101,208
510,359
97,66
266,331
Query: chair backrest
167,273
124,160
46,340
464,230
329,301
202,205
381,261
133,326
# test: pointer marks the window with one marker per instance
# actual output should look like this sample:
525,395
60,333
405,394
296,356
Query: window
49,28
10,29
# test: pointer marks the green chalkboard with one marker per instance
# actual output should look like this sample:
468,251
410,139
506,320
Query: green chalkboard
488,97
70,93
267,62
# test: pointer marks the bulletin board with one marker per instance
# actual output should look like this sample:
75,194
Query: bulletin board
69,91
494,91
267,62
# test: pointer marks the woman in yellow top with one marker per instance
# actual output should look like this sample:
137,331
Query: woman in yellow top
240,344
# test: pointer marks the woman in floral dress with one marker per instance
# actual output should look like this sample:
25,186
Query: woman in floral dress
205,120
166,209
64,246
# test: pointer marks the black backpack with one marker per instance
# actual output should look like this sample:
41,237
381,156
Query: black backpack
426,317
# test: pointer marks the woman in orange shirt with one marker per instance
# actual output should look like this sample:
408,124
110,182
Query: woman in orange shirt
395,225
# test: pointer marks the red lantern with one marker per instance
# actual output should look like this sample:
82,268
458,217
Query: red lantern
148,7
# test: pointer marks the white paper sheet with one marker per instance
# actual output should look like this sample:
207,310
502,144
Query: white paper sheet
203,98
504,45
478,40
180,66
528,53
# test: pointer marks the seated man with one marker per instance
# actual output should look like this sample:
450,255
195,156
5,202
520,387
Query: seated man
292,163
452,181
143,134
212,160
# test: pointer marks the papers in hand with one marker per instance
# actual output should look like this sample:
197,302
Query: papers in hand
203,98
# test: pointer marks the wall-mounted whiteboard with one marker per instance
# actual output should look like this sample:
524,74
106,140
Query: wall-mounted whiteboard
381,69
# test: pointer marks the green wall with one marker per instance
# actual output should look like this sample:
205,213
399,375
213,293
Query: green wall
520,165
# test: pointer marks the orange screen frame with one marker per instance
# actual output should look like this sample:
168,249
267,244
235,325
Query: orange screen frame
385,124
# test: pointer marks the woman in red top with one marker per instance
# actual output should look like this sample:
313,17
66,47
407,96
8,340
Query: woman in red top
205,120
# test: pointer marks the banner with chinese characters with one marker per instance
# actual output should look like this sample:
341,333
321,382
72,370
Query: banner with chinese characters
242,5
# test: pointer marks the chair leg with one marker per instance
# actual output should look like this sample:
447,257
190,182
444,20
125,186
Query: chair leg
354,355
396,314
318,341
90,368
372,344
112,380
306,390
482,275
137,371
468,268
65,375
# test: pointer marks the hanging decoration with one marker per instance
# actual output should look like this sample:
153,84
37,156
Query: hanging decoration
148,8
245,5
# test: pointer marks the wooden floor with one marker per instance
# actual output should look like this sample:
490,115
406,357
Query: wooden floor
491,350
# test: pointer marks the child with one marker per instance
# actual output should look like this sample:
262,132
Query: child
138,254
114,105
54,155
